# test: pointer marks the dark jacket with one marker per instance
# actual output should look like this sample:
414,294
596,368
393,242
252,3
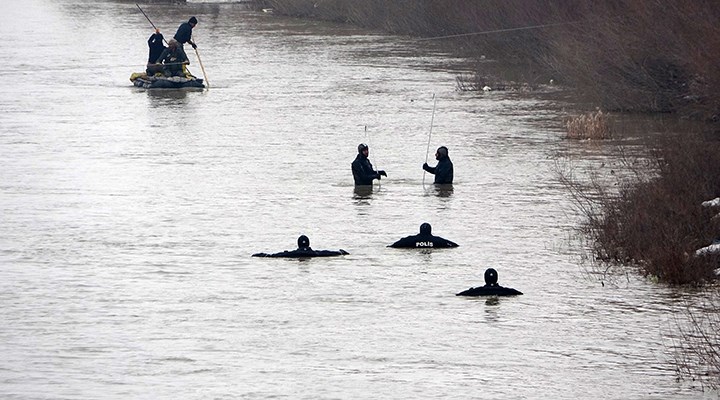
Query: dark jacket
173,60
490,290
423,241
168,56
304,252
155,43
443,171
363,172
184,33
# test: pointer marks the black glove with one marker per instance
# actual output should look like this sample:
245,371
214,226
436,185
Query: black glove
382,173
426,167
194,46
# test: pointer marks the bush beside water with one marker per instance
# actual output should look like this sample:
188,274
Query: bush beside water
655,220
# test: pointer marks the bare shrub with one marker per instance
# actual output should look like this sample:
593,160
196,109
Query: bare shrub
653,219
588,126
697,350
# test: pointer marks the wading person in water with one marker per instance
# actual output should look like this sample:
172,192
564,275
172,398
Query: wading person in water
362,169
491,287
303,251
424,240
443,171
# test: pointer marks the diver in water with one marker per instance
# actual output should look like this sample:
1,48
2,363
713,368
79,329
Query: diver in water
443,171
362,169
491,287
424,240
303,251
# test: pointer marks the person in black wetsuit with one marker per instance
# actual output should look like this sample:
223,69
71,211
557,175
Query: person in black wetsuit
184,33
424,240
156,46
443,171
303,251
362,169
491,287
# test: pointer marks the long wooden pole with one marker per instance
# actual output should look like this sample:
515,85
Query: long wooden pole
148,18
207,83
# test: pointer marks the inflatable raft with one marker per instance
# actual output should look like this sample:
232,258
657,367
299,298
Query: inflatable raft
142,80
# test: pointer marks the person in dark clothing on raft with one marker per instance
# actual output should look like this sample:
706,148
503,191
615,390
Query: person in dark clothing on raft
184,33
156,46
304,251
425,239
443,171
362,169
173,59
491,287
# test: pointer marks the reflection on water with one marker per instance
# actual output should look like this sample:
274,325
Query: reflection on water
445,190
492,301
362,192
104,185
169,94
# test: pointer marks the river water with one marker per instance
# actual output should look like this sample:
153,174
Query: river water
129,216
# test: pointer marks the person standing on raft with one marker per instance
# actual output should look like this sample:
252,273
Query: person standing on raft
156,47
184,33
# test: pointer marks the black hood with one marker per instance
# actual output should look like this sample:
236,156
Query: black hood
442,153
303,242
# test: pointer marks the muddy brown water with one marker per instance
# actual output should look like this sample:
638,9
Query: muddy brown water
129,217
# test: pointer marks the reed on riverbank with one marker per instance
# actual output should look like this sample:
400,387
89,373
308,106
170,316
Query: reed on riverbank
592,125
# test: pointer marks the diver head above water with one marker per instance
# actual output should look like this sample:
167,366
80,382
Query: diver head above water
491,277
442,152
303,242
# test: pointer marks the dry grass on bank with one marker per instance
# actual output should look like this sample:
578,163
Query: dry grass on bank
591,126
655,221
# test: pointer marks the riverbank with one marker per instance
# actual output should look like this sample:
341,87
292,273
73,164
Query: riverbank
624,55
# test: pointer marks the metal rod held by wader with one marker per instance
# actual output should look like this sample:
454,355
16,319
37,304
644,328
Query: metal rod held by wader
427,151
